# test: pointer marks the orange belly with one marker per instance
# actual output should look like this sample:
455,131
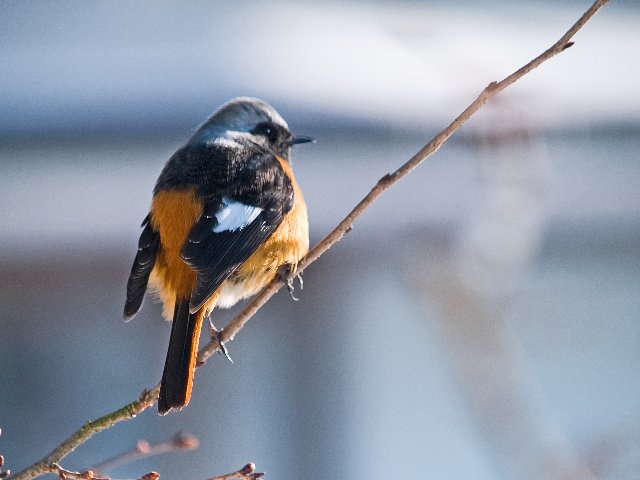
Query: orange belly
287,245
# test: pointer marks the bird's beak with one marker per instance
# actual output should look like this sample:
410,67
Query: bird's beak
301,139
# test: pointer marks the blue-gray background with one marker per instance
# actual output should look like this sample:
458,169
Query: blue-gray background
525,359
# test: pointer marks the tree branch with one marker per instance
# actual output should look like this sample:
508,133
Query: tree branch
179,443
6,473
148,397
64,474
248,472
49,463
345,226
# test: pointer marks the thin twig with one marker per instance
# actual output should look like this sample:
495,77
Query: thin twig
179,443
64,474
345,226
148,398
248,472
88,430
6,473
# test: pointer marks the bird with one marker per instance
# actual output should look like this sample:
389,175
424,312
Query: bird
226,216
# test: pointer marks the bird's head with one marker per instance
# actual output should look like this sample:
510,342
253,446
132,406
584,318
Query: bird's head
248,122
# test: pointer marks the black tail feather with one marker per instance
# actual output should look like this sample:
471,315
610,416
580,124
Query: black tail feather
177,378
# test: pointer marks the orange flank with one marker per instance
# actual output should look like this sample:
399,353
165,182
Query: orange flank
173,213
287,245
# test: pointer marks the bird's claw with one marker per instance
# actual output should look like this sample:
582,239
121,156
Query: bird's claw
291,289
215,333
284,273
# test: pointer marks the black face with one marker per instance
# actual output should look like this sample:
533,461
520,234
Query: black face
278,137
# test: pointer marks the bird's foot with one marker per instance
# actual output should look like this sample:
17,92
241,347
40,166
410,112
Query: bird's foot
284,273
215,333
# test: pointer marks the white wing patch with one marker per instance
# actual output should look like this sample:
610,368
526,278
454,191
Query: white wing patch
235,215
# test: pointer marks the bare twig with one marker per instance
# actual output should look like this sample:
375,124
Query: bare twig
6,473
143,449
64,474
248,472
150,476
148,397
345,226
48,464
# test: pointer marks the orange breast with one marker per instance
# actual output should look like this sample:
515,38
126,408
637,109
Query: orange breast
287,245
173,213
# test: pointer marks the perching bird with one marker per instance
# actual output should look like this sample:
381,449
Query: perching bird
226,214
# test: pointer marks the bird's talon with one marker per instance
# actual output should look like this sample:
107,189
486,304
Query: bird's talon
215,333
283,273
223,349
291,289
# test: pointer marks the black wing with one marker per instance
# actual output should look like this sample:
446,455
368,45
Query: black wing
215,248
216,256
141,269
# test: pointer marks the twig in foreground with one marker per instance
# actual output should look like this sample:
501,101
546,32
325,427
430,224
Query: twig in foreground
64,474
147,399
248,472
6,473
180,442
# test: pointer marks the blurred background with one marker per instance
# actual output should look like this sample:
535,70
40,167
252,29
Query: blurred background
480,321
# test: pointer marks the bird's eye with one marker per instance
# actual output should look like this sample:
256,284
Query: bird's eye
268,130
